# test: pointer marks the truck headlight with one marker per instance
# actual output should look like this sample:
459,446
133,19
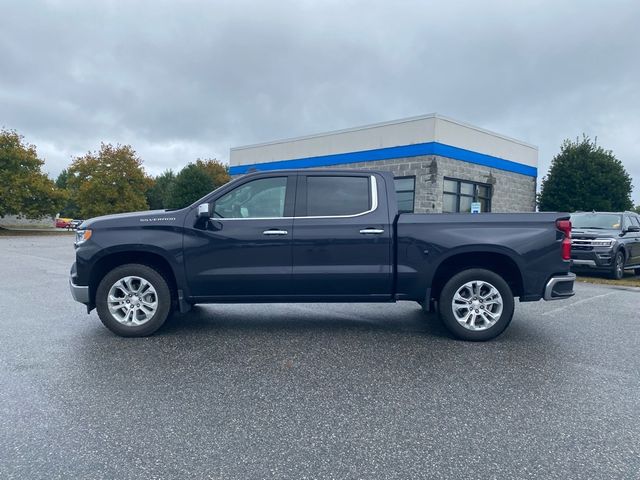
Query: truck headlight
82,236
602,242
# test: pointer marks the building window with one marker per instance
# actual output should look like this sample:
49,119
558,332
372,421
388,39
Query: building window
459,194
405,192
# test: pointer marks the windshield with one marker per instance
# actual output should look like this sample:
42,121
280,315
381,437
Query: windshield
608,221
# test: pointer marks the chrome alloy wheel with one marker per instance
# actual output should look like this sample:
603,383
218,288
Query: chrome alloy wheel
132,301
477,305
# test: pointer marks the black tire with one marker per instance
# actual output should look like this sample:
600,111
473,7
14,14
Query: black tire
446,310
163,295
617,269
636,271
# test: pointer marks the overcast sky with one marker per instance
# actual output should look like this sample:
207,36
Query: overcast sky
184,79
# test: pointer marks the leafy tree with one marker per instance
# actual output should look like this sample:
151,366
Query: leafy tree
584,176
24,189
190,184
61,181
157,195
637,209
70,209
218,172
110,180
196,180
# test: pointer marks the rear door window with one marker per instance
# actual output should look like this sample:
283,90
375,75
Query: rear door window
337,196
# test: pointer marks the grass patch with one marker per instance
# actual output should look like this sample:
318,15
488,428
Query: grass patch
629,280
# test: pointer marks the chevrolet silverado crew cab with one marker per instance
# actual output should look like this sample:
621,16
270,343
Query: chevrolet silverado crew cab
607,242
318,236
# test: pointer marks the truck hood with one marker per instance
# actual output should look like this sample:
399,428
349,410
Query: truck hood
594,233
132,219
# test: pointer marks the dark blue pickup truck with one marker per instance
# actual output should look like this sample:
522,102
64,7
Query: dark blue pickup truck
318,236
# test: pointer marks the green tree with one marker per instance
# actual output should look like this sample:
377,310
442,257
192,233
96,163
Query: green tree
24,189
217,171
196,180
70,209
157,195
61,181
584,176
111,180
190,184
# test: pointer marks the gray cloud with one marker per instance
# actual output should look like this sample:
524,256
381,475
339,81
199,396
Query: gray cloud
181,80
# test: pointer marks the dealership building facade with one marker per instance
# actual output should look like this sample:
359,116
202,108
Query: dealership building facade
440,164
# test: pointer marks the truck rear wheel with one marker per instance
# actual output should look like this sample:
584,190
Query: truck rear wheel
133,300
476,305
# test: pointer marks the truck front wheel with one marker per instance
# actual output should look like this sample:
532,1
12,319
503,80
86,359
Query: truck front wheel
617,268
476,305
133,300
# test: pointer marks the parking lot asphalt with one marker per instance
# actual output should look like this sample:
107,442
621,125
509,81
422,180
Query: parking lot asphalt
311,391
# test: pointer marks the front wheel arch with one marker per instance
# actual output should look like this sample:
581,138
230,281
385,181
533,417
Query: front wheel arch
614,273
154,260
114,308
625,253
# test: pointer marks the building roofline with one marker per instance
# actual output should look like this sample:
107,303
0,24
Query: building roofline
484,130
387,123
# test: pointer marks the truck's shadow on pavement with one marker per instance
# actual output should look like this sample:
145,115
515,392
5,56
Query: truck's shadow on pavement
303,317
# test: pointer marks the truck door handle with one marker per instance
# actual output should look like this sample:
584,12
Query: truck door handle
371,231
275,231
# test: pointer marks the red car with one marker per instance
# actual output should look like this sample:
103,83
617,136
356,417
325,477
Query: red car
63,222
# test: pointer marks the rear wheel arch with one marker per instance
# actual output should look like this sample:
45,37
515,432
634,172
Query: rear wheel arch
499,263
476,304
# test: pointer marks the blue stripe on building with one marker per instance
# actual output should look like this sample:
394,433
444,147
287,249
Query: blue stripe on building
418,149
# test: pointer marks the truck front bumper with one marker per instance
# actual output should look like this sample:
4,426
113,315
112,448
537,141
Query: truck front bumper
559,287
595,259
80,293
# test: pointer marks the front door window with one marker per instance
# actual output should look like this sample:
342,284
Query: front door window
262,198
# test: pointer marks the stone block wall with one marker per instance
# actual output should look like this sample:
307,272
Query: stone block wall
511,192
13,221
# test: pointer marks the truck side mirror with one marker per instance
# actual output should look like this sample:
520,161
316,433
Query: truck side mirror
204,210
633,229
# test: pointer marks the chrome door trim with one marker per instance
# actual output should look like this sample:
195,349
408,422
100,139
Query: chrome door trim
374,207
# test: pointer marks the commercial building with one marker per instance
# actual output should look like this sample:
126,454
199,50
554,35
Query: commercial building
440,164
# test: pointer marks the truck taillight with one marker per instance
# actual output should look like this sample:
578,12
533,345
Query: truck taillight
565,227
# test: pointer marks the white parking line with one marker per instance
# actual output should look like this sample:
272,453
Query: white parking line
13,253
584,300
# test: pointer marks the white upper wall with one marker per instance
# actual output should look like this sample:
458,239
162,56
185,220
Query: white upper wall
409,131
462,135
